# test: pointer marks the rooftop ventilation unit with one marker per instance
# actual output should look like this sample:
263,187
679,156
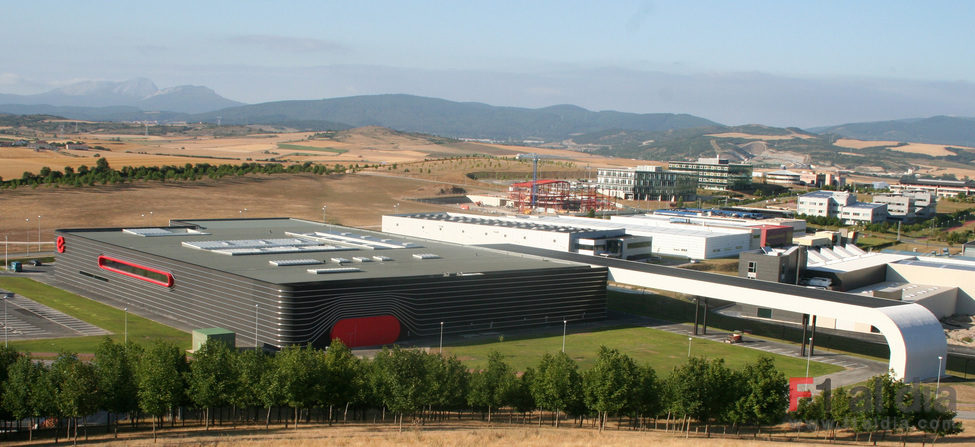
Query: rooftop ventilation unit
426,256
334,270
287,262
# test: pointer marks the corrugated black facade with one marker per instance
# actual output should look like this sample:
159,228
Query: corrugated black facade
305,312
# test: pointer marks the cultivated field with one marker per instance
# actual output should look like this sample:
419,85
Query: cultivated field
368,145
935,150
354,200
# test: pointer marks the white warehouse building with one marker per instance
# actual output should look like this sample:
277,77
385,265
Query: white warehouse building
627,237
676,237
604,239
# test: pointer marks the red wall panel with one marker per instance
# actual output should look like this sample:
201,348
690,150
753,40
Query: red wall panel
367,331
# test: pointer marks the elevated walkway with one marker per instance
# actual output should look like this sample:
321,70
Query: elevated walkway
915,337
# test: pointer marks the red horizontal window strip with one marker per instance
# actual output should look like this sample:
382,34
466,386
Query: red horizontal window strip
136,271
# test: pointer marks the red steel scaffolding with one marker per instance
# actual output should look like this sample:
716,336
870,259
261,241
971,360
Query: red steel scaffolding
557,195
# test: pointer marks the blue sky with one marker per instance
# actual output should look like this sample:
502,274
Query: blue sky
262,51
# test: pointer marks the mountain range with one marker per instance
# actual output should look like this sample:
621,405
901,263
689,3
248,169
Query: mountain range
140,99
139,93
452,119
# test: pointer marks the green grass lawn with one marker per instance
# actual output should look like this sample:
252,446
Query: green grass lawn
298,147
141,330
682,311
662,350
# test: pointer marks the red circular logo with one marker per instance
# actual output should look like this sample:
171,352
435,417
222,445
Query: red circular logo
60,244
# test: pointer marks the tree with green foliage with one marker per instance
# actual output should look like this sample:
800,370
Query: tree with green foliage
610,384
930,413
557,384
271,393
77,394
344,372
764,394
8,356
22,391
400,380
492,387
211,377
300,373
160,374
521,395
450,382
647,399
115,366
702,389
248,369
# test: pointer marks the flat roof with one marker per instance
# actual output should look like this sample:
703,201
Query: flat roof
526,223
924,262
290,251
911,292
823,194
820,294
863,261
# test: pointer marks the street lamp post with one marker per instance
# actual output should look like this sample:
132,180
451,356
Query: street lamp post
28,237
6,296
6,255
937,388
808,356
38,234
564,323
689,346
125,325
441,337
257,312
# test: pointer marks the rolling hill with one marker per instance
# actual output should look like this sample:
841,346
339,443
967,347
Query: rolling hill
452,119
936,129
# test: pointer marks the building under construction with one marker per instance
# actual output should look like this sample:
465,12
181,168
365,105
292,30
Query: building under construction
555,196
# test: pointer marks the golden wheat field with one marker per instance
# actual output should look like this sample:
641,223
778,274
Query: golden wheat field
936,150
367,145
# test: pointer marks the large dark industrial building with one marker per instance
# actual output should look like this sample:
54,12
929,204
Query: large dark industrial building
277,282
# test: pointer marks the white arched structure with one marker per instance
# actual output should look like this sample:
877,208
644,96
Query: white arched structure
915,337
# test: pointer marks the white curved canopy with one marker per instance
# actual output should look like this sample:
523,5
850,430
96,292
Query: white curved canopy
914,335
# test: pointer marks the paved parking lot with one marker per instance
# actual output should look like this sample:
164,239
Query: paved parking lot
26,319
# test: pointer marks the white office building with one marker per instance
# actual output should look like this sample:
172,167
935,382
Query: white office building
842,205
908,205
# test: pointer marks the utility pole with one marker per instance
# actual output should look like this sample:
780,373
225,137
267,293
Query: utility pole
564,323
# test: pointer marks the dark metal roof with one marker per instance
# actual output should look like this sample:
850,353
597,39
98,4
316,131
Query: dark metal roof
767,286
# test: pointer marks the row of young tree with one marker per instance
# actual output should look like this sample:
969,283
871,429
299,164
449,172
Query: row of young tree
251,385
883,405
104,174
